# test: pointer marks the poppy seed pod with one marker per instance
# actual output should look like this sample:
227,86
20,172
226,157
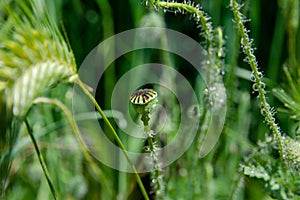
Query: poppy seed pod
143,101
143,96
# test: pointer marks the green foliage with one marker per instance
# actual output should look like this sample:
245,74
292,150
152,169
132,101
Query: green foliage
33,56
280,180
258,153
256,172
259,85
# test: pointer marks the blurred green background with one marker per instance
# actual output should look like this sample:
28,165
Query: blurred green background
86,24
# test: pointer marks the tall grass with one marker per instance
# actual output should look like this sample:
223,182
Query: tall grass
252,47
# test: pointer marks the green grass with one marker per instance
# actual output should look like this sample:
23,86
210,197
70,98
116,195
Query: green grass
253,50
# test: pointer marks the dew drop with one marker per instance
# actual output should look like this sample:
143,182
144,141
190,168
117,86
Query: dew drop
242,41
263,111
147,148
247,59
252,77
151,134
254,87
260,75
268,106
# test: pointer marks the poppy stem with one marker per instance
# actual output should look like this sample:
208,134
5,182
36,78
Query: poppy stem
143,101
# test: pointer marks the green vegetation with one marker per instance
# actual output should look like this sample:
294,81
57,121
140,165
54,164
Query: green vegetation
252,48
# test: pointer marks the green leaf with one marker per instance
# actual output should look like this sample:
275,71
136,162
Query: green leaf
33,56
292,106
256,172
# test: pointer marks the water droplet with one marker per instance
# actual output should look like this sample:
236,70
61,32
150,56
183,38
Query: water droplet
222,72
151,134
242,41
252,77
268,106
262,111
254,87
147,148
284,156
260,75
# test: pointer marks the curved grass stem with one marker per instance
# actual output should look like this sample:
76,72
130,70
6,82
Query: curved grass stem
116,137
203,21
41,160
86,153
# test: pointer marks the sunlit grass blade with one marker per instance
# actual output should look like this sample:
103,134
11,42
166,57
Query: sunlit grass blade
33,55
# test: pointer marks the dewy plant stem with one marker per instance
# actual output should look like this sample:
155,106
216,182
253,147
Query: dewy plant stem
203,21
259,85
143,101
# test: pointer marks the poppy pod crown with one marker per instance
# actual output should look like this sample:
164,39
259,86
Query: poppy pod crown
143,101
143,96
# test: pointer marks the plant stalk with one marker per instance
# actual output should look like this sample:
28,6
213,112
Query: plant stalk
117,138
265,108
41,160
155,179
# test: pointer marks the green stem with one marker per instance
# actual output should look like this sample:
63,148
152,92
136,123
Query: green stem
86,153
201,134
259,84
156,173
118,140
41,160
201,18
